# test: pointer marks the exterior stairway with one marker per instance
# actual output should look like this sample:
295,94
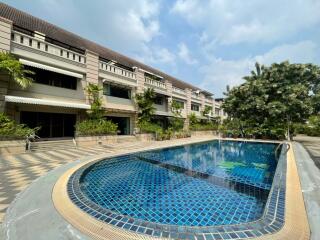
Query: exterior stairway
52,145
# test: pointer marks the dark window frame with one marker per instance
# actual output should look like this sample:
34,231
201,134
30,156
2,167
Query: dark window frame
195,107
158,100
117,91
53,79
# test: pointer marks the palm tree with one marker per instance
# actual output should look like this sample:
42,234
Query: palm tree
255,74
10,65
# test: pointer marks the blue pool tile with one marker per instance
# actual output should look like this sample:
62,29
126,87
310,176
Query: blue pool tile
178,197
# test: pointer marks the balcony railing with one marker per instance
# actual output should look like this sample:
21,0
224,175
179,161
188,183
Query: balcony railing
155,83
178,90
41,45
116,70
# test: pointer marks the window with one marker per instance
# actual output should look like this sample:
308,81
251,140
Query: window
158,100
195,107
52,78
179,103
116,91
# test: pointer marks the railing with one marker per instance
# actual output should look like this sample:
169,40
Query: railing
116,70
178,90
41,45
155,83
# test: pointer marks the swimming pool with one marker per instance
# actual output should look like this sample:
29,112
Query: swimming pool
189,189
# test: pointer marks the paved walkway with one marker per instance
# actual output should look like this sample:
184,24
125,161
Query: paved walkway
18,171
310,185
312,144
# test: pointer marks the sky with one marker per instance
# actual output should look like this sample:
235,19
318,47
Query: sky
210,44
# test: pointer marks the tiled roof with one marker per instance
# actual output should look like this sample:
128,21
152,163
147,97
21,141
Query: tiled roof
29,22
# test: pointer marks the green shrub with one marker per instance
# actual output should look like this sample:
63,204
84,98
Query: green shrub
310,128
96,127
204,127
182,134
176,123
148,127
9,129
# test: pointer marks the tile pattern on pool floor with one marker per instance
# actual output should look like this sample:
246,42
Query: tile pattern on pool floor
249,163
149,192
271,221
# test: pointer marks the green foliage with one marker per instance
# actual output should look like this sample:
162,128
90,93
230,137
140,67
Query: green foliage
148,127
206,111
170,133
160,133
236,128
96,127
10,65
197,124
96,111
274,98
311,127
176,122
145,104
176,108
11,130
193,120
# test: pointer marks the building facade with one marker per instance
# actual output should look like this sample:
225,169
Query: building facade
65,63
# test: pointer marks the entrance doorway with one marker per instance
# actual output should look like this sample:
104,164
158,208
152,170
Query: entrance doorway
53,125
123,124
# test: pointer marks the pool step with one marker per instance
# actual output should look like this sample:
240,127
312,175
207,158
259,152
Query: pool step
52,145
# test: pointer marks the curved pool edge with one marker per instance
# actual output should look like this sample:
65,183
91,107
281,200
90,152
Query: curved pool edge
295,225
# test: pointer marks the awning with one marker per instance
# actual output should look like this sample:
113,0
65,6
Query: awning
49,68
45,102
162,113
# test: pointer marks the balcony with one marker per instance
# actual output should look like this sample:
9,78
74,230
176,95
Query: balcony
116,70
178,91
40,45
209,101
155,83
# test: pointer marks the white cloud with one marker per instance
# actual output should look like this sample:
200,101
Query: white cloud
184,54
156,55
219,72
238,21
126,26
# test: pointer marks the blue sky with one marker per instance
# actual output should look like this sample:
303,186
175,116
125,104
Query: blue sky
207,43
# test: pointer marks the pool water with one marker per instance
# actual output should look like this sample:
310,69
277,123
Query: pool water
205,184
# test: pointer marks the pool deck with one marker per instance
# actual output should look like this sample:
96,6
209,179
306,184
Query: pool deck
307,161
34,204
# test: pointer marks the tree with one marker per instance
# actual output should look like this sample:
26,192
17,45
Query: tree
96,111
176,122
274,97
206,111
145,102
11,66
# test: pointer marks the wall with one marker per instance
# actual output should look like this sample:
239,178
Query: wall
5,42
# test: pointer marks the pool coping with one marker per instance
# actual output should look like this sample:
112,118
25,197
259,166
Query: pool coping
272,227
